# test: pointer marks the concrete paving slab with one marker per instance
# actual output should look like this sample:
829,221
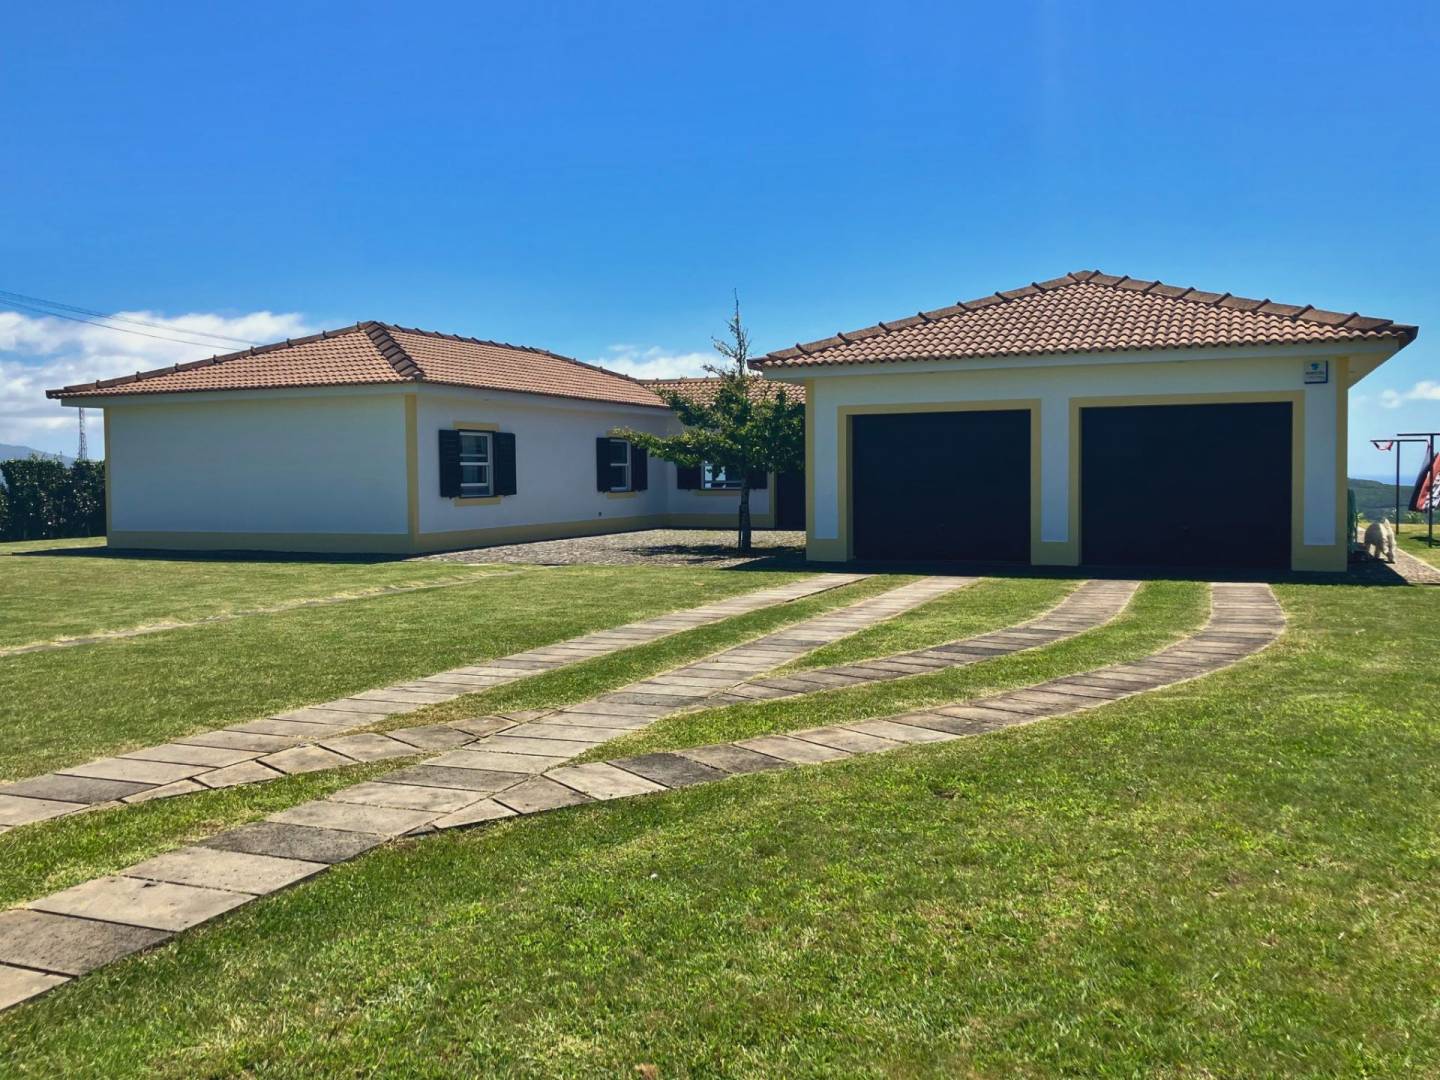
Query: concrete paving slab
407,796
572,732
671,770
537,794
368,746
793,750
733,759
841,738
323,714
213,757
233,871
600,780
247,772
481,780
303,842
18,810
432,736
291,730
136,902
905,733
76,789
484,810
510,743
491,762
407,696
604,720
482,725
20,984
240,740
352,817
369,708
67,946
165,791
305,759
132,771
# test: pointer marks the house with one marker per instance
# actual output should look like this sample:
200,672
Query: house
379,438
1090,418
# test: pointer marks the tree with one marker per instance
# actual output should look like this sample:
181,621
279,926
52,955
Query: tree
751,426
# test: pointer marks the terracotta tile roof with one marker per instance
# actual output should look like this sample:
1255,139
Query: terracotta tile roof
1086,312
703,388
378,353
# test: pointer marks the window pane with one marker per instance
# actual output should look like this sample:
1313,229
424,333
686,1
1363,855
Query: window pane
474,446
619,452
475,474
619,478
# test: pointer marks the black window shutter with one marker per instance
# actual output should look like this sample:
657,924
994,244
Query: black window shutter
687,477
639,469
602,464
504,455
759,479
449,464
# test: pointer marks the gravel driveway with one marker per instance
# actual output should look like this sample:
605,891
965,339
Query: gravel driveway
674,547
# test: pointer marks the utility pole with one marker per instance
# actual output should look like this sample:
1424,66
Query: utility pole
83,454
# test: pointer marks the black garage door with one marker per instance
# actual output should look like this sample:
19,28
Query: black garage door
942,485
1186,485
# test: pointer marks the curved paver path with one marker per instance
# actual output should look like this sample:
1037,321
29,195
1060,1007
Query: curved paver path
286,741
197,764
79,929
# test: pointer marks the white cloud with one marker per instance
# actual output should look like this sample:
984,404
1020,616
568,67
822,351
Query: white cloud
656,363
38,354
1424,390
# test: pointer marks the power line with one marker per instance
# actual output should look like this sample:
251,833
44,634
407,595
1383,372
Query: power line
36,300
116,329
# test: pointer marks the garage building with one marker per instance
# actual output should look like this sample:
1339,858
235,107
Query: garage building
1088,419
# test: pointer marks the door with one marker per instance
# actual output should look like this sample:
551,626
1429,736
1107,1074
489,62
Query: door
941,486
1186,485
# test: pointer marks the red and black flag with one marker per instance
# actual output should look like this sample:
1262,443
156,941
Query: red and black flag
1426,494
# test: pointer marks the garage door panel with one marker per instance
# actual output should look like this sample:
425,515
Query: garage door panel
1186,485
941,485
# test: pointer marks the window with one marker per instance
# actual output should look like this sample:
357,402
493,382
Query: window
619,465
476,460
716,478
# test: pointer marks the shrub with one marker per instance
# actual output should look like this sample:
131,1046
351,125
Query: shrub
43,498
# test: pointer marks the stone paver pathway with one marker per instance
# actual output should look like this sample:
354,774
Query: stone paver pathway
285,743
82,928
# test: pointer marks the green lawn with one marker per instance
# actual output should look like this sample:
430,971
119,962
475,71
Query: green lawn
71,588
1415,540
69,705
1237,876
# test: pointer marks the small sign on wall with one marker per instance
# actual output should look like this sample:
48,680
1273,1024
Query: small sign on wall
1317,371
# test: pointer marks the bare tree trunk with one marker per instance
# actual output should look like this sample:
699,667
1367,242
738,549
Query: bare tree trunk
744,539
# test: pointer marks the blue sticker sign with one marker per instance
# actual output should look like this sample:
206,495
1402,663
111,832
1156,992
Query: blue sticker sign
1317,371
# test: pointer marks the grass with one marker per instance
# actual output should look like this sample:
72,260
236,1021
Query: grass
44,858
1415,540
1160,611
1233,877
70,588
581,682
66,706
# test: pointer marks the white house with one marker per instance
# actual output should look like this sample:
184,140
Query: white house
1090,418
377,438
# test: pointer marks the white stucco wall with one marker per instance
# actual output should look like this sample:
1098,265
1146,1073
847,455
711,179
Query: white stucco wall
554,460
1055,384
322,463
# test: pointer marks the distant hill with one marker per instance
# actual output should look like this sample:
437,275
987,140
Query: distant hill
1374,498
9,451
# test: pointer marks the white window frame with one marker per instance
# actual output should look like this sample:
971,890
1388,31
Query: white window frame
708,482
485,462
626,464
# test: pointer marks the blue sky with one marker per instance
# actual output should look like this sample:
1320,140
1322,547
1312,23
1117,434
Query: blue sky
596,178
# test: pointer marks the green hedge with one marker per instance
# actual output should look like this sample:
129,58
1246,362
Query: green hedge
44,498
